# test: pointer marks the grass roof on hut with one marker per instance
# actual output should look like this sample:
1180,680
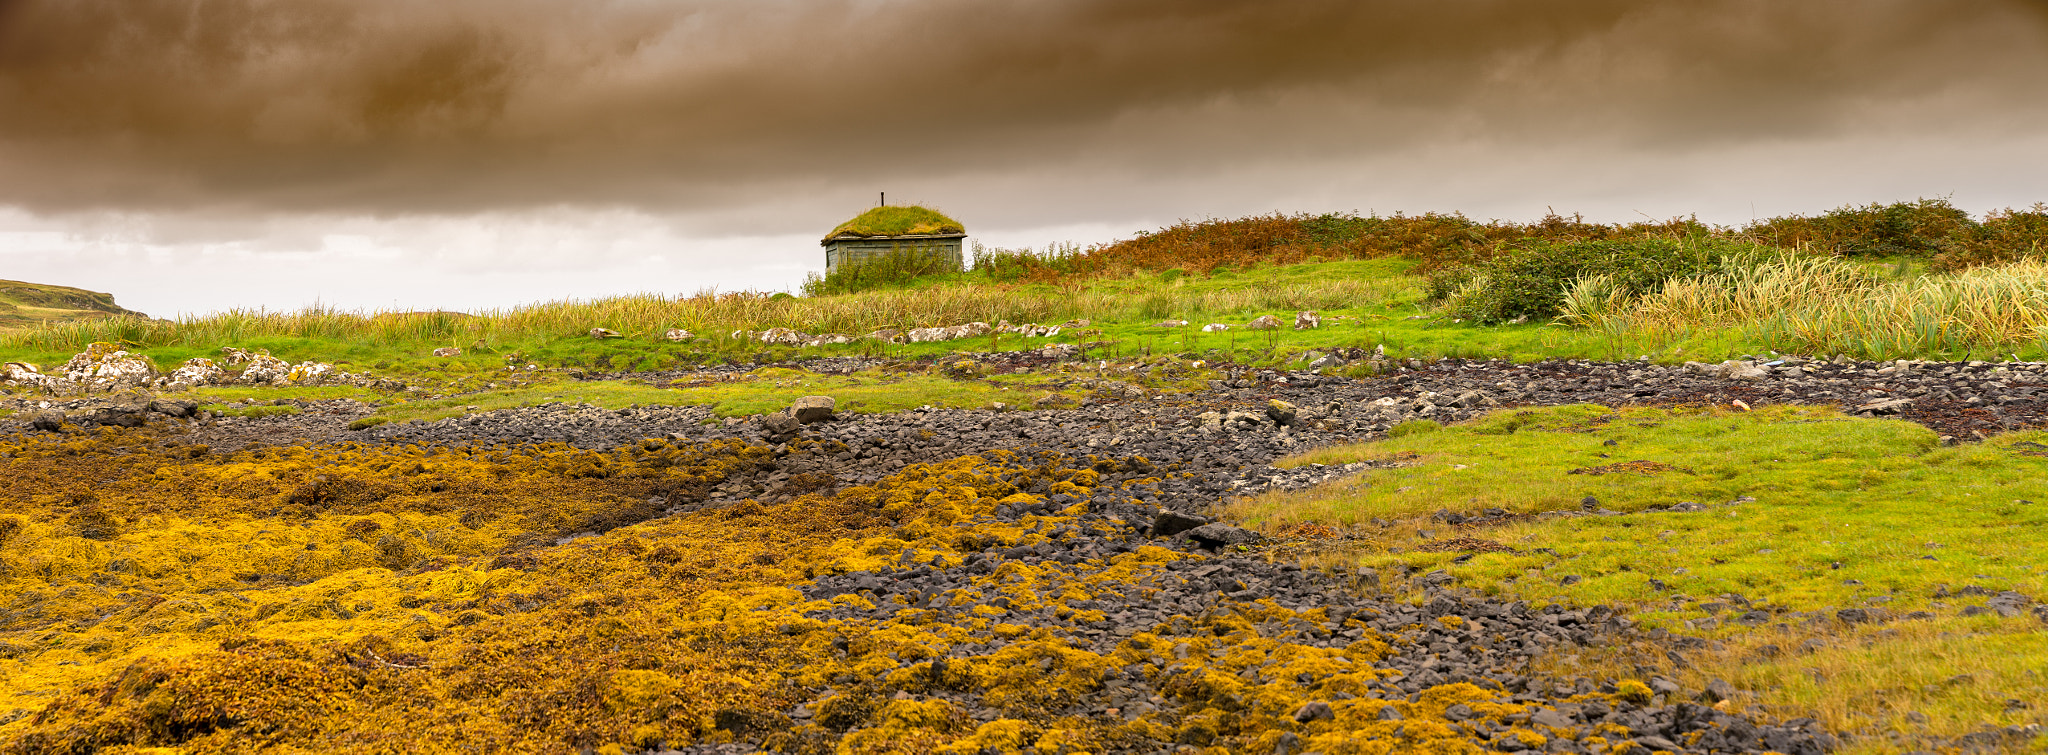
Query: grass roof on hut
897,220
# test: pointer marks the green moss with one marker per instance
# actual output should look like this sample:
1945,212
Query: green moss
897,220
1414,427
368,422
262,410
1804,510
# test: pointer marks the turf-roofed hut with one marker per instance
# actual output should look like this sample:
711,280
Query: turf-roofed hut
900,229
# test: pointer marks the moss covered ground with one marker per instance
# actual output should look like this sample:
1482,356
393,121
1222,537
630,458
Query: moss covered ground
364,599
1806,513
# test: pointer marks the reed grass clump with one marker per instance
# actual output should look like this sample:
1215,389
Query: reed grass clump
1823,305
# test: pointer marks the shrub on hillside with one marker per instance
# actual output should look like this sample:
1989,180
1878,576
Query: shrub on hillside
1922,228
1436,240
1531,281
2005,236
900,267
1014,265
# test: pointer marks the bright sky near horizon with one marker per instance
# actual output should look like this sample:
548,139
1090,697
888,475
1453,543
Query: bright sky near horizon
197,155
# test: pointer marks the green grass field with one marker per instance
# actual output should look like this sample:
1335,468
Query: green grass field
1364,304
1807,510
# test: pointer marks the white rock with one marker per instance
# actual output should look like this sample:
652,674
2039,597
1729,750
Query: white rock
309,373
784,336
105,364
198,371
23,373
602,333
264,369
1307,320
448,351
678,335
1215,327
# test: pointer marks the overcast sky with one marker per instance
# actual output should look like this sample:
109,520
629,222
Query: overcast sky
195,155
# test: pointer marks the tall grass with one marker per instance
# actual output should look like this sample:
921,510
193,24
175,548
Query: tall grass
1824,305
648,316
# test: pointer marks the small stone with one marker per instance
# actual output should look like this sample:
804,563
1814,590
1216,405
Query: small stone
1264,322
447,351
677,335
1281,412
1657,743
603,333
1550,718
1306,320
1314,711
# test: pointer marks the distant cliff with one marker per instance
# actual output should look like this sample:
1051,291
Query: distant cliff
27,304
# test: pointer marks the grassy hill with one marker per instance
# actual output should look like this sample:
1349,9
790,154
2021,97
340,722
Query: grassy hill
26,305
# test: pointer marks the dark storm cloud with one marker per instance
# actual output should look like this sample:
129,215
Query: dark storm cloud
394,106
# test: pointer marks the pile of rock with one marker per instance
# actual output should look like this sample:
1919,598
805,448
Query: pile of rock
132,412
1303,320
105,367
260,368
789,337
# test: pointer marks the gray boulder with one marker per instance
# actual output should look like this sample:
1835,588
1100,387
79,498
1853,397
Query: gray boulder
125,415
174,407
1218,534
1744,371
779,425
49,422
1171,523
811,409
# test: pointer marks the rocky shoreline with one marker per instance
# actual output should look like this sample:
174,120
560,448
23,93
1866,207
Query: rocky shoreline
1164,461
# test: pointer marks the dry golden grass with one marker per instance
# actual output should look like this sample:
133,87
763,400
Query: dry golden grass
1823,305
648,316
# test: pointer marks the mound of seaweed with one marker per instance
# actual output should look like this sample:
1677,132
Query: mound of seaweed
365,597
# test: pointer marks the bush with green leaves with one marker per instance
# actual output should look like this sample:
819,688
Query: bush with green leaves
901,267
1531,282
